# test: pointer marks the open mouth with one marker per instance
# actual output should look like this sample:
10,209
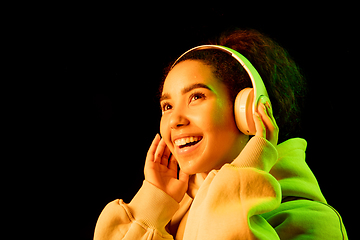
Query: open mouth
187,142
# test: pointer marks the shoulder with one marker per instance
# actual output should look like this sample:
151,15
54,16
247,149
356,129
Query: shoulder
308,218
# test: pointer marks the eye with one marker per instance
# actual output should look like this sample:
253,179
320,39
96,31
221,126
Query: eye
166,106
196,96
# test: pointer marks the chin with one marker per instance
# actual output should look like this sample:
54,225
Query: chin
193,166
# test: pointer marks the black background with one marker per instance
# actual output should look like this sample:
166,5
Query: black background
92,104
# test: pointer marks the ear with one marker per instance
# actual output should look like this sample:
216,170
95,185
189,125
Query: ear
243,111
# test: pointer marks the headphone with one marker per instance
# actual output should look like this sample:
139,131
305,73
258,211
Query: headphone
247,100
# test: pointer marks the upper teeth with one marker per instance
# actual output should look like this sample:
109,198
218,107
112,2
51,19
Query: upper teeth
183,141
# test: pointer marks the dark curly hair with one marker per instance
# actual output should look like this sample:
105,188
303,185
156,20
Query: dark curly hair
283,80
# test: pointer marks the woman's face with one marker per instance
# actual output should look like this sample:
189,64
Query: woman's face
198,124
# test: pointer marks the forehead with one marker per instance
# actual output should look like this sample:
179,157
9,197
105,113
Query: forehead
189,72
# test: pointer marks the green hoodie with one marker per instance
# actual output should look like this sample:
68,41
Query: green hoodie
304,210
267,192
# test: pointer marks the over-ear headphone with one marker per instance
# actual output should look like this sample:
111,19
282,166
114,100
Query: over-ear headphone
246,102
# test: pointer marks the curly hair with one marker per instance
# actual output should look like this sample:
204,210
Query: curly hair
283,80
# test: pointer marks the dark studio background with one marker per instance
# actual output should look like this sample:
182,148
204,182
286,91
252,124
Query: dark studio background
97,110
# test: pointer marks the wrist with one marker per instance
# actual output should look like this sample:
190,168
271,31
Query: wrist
153,207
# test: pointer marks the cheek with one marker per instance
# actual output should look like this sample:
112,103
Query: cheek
218,118
222,131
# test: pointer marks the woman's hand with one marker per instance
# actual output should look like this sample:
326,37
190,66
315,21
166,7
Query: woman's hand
265,123
161,170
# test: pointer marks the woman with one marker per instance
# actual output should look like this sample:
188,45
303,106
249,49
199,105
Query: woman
230,185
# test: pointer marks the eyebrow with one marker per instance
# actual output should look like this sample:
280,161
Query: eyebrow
187,89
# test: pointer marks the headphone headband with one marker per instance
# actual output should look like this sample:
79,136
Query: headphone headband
258,84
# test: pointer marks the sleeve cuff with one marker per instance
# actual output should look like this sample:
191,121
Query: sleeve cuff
152,206
258,153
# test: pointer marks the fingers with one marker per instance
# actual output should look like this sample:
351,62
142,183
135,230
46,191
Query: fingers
263,111
270,123
158,151
259,126
183,177
166,154
268,117
173,163
265,123
152,149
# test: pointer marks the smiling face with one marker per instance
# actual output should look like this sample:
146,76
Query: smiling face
198,123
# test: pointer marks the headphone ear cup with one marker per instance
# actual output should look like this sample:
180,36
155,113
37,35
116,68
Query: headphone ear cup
243,111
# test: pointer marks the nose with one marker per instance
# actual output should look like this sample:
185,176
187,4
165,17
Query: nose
178,119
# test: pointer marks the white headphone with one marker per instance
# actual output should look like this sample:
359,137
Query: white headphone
246,102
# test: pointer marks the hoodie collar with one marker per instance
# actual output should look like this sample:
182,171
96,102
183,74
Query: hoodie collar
293,173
